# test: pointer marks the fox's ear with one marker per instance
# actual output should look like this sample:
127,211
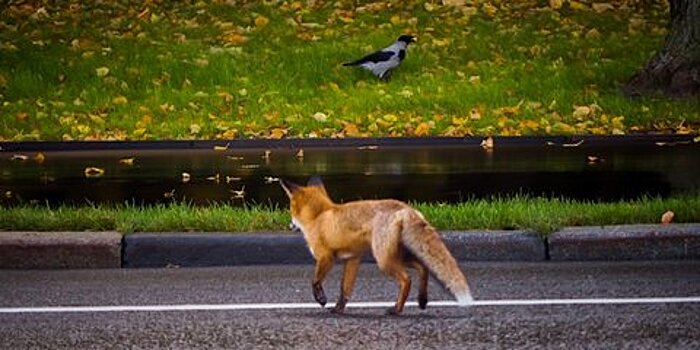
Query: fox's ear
315,181
289,187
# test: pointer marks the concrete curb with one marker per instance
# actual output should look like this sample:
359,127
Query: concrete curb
37,250
266,248
214,249
495,245
50,250
628,242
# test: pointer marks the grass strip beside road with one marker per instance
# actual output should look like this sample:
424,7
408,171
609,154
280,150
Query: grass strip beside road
536,214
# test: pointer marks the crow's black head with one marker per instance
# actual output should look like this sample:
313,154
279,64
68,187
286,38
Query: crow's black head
407,39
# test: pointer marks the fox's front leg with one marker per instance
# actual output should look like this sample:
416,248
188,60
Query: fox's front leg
349,275
323,265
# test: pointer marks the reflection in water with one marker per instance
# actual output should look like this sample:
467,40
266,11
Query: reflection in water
428,174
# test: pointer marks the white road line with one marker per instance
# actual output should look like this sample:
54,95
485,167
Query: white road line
355,305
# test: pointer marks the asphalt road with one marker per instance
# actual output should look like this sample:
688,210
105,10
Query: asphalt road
652,325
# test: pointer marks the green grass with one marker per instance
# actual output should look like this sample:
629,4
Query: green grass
177,70
536,214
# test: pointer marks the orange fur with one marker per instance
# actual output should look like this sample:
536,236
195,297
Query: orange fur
398,236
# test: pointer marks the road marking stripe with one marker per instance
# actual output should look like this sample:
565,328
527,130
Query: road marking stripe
354,305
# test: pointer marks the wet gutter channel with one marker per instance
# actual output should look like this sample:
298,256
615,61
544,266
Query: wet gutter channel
601,168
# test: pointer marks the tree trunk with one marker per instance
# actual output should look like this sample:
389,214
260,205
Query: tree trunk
675,69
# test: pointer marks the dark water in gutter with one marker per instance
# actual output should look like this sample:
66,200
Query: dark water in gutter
441,171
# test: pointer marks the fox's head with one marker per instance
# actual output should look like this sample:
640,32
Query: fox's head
306,202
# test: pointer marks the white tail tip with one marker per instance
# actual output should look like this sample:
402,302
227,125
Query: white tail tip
464,299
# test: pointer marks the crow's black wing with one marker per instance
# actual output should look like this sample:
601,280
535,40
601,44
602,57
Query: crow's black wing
402,55
379,56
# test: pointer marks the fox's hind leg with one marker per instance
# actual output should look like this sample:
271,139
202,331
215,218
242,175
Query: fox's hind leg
423,286
399,273
391,259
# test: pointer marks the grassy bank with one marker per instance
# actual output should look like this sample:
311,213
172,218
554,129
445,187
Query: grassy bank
540,215
136,70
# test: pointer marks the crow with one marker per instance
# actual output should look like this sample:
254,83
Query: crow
381,63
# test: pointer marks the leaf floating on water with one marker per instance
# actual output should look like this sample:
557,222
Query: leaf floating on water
221,148
127,161
238,194
230,179
94,172
595,159
662,144
234,157
576,144
19,157
214,178
487,143
667,217
270,179
39,158
267,154
186,177
696,139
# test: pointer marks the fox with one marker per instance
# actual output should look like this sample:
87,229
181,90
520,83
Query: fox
398,236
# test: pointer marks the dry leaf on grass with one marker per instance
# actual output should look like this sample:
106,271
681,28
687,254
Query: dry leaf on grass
667,218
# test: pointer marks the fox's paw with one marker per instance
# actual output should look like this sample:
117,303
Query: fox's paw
320,295
338,310
339,307
422,301
393,311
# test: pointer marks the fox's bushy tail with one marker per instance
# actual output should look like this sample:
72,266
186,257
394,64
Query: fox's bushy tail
425,243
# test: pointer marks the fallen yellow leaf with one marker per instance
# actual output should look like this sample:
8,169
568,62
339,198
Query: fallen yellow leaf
474,114
320,117
277,133
127,161
556,4
667,217
581,112
39,158
102,71
261,21
602,7
235,38
351,130
422,129
94,172
120,100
